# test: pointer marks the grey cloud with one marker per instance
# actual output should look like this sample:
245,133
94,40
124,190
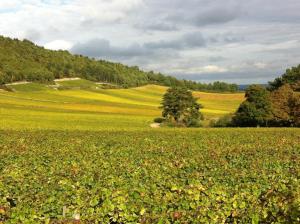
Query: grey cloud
102,48
216,15
163,44
201,13
226,38
233,39
274,11
193,12
244,77
194,39
33,35
157,26
216,59
190,40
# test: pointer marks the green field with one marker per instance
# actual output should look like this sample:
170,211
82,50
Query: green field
90,153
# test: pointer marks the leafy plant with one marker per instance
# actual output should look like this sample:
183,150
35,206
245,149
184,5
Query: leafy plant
150,176
159,120
223,122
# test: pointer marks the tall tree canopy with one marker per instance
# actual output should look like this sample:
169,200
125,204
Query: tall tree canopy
256,110
181,107
285,102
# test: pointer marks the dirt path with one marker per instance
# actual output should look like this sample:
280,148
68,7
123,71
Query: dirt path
155,125
66,79
17,83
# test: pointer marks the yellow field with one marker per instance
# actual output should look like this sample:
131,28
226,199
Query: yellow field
40,107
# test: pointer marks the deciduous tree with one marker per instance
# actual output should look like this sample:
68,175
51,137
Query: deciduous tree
256,110
181,107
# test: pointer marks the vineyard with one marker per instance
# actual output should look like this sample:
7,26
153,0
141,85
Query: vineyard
179,176
89,156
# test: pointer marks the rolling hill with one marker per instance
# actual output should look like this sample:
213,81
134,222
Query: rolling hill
82,104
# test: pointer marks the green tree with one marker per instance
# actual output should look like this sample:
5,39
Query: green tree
179,106
291,76
256,110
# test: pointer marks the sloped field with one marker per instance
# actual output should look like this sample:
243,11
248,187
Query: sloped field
82,105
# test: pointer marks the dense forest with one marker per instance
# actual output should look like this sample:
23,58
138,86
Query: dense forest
25,61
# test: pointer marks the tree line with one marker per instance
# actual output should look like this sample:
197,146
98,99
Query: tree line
25,61
277,105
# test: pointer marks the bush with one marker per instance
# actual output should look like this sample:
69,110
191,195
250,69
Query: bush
172,124
225,121
159,120
194,123
6,88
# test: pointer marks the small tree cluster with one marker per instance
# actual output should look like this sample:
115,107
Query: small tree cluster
279,105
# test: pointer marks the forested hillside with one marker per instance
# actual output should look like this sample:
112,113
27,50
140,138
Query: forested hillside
25,61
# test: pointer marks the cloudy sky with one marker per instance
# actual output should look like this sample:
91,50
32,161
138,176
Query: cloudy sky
242,41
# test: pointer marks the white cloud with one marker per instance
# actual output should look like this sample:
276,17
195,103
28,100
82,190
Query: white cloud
260,65
212,69
6,5
190,68
59,45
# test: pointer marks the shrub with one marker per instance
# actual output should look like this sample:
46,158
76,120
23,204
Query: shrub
225,121
159,120
194,123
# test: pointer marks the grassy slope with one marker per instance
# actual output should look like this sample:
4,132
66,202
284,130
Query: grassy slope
37,106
